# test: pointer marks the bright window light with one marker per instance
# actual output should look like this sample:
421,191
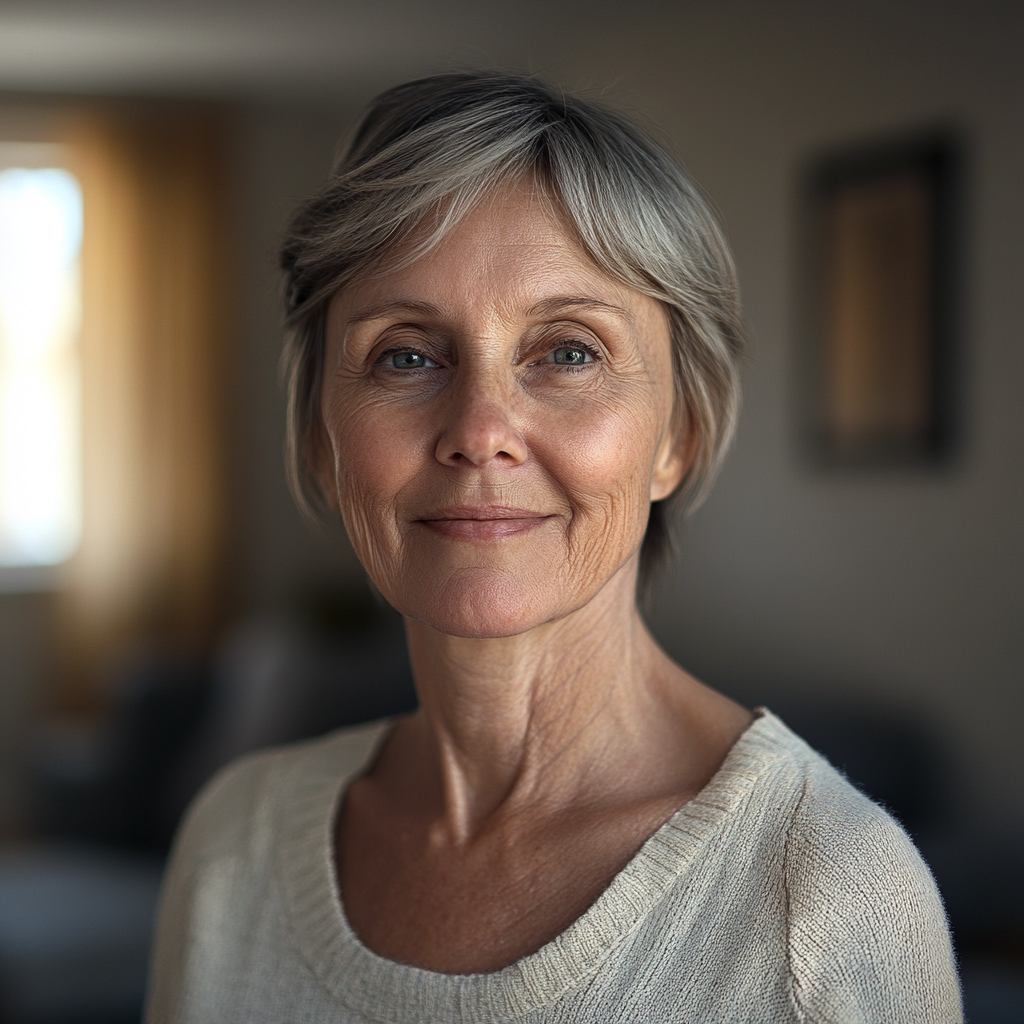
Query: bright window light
40,309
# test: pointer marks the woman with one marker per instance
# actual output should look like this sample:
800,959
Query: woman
514,337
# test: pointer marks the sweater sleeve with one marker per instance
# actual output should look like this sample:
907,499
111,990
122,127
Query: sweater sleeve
205,912
868,939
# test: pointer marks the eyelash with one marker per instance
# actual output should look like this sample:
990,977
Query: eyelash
385,357
574,343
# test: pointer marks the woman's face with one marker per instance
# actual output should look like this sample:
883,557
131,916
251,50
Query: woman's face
497,418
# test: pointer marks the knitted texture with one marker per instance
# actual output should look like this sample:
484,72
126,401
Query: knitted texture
779,893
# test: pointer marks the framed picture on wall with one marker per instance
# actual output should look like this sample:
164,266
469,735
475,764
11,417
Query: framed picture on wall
877,363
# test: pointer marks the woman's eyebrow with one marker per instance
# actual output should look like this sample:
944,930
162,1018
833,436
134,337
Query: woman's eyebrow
386,309
546,307
560,304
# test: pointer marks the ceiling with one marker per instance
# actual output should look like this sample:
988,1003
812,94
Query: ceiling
246,47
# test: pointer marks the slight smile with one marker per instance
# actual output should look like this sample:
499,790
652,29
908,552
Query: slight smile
492,522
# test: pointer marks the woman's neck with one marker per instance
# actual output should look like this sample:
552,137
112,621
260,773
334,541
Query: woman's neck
572,711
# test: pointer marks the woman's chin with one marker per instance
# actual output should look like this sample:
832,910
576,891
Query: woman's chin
480,604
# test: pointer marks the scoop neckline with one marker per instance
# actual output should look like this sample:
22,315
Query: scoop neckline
388,991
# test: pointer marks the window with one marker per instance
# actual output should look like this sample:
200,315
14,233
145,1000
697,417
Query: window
40,310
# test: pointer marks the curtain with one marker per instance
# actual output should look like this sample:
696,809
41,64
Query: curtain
154,561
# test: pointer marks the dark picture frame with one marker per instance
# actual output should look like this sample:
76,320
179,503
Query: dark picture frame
881,303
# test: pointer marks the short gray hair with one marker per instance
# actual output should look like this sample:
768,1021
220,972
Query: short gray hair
425,153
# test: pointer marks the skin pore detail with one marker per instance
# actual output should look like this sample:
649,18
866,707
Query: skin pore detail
497,418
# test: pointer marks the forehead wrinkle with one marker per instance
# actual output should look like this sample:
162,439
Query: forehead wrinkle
507,300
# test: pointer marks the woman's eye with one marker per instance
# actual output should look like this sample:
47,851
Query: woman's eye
568,355
409,361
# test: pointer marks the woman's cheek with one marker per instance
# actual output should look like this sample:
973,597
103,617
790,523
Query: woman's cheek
369,439
607,451
604,466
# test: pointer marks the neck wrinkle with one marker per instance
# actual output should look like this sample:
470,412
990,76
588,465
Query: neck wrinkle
508,726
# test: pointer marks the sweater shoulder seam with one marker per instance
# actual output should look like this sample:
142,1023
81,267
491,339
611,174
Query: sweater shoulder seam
791,979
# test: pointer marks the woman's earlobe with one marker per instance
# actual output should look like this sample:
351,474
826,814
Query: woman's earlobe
673,462
667,476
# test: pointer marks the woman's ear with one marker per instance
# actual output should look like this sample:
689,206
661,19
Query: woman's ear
674,458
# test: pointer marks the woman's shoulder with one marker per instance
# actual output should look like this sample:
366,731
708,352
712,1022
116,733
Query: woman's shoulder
239,799
866,928
830,826
823,805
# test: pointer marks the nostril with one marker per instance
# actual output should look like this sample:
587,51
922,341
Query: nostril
480,433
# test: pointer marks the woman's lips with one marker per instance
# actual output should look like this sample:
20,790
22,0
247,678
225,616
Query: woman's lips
491,523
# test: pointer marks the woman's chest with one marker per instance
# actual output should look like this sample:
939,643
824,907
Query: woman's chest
479,906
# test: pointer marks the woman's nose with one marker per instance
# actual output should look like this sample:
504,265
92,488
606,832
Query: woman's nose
481,426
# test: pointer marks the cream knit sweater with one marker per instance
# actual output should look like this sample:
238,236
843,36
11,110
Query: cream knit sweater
778,894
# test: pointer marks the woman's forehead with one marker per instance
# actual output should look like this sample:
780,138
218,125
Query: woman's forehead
511,252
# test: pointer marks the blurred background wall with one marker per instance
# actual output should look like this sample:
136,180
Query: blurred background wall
898,591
